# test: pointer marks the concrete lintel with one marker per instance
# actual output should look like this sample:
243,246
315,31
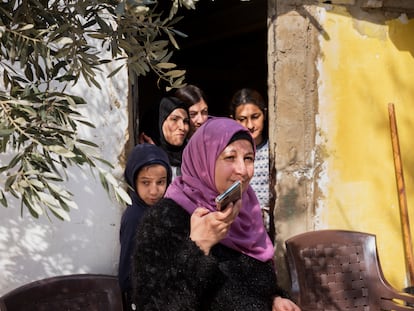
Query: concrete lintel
372,4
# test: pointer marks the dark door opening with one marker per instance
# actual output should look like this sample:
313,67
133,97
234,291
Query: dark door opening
226,49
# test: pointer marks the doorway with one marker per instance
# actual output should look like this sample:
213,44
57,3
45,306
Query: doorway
226,49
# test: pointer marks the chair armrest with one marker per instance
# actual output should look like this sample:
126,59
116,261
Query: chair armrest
398,302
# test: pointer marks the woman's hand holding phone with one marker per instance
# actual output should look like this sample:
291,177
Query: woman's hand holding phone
208,228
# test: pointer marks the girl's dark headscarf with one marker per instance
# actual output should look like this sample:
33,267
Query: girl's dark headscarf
144,155
152,126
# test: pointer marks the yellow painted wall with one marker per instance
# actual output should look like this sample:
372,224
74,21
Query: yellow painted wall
365,65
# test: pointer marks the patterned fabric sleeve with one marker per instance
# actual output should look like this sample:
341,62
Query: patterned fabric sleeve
260,181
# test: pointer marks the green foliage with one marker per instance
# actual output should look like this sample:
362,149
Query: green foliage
44,47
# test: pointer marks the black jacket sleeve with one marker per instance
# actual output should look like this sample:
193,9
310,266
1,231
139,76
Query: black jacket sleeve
170,272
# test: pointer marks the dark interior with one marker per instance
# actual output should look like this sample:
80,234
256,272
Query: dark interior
226,49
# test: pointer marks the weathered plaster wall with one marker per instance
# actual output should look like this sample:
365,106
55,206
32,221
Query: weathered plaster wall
333,69
292,108
33,249
366,62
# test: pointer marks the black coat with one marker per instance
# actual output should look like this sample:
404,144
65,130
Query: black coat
170,272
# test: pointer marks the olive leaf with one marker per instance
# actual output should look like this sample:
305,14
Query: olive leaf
46,46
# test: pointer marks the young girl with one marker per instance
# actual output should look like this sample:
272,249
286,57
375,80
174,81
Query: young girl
147,174
249,109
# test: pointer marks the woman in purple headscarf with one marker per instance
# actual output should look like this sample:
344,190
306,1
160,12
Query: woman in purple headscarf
188,255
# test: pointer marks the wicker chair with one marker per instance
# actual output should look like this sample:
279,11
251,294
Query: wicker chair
80,292
334,270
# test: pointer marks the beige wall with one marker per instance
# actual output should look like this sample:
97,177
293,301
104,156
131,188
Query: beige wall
332,72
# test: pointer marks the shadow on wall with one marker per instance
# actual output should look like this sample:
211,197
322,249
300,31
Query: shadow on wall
33,249
400,39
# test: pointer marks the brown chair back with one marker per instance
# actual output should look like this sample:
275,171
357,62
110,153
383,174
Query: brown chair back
81,292
334,270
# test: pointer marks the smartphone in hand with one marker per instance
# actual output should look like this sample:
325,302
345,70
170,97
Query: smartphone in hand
232,194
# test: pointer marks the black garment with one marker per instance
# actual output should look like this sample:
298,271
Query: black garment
170,272
141,156
129,224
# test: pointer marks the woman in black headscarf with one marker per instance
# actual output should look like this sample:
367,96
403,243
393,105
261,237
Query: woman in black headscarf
167,125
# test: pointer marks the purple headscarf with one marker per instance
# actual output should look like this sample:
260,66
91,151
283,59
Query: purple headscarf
196,188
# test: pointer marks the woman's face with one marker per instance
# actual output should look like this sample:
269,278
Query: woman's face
236,162
151,183
198,115
251,117
175,128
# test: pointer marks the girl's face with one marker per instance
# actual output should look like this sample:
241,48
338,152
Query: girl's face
198,115
236,162
251,117
151,183
176,127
